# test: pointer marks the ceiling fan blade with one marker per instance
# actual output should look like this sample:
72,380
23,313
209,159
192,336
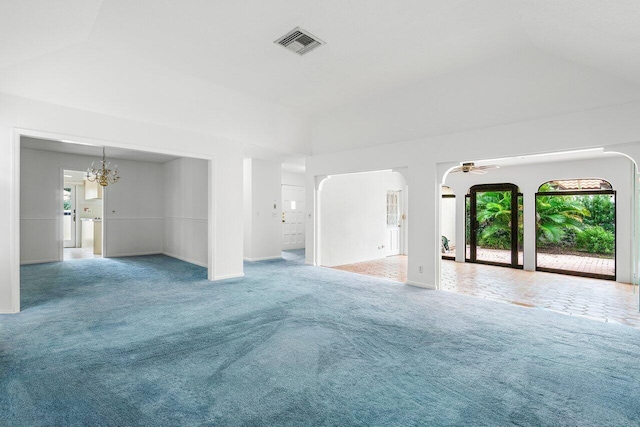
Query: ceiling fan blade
487,167
456,169
478,171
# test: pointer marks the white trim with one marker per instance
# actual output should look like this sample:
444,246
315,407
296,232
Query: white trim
60,214
131,218
177,218
9,312
14,222
267,258
229,276
211,217
136,254
75,139
44,261
421,285
185,259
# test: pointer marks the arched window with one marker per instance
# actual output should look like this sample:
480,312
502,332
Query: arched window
576,227
581,184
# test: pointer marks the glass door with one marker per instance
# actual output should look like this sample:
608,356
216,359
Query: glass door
495,225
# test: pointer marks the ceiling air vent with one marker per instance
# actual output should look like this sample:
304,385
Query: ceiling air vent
299,41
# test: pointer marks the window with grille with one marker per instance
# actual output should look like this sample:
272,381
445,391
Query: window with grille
392,208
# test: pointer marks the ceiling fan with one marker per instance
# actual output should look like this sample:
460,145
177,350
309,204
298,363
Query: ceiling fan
470,167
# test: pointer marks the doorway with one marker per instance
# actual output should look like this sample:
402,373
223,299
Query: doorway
394,200
494,225
293,198
82,216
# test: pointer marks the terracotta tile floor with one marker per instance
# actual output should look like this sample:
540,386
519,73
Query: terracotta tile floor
586,264
601,300
393,267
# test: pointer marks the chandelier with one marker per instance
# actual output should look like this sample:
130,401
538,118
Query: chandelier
103,175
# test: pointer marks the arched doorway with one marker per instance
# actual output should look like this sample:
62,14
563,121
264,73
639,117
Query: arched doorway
576,228
494,229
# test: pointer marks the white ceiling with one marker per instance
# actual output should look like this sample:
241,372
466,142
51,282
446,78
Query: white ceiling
160,61
94,150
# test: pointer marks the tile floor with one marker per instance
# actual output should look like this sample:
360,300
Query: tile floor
584,263
79,253
601,300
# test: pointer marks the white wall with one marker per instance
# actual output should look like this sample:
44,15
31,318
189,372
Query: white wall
448,219
133,208
290,178
185,210
354,217
262,209
34,118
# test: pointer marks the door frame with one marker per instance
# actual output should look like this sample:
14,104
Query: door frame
73,226
615,233
14,213
448,196
473,232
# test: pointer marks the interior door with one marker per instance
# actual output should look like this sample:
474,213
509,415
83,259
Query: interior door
293,198
495,225
69,216
393,223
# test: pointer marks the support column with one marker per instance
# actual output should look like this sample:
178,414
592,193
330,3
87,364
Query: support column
461,214
424,244
529,220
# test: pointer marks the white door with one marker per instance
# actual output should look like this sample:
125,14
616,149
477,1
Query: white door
69,216
293,198
393,223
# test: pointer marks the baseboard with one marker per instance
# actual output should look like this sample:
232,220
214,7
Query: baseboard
263,259
185,259
420,285
134,254
228,276
44,261
9,312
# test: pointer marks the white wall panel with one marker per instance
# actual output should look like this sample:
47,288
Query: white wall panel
185,201
41,239
134,236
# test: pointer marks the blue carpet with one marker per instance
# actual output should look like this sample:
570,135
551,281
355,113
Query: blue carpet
148,341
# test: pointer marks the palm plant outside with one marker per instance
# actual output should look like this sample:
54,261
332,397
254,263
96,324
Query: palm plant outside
564,222
557,215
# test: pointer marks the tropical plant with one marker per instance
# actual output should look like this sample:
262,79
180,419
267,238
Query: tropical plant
556,214
602,209
494,218
596,240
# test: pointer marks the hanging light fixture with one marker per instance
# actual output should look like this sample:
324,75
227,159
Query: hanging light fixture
103,175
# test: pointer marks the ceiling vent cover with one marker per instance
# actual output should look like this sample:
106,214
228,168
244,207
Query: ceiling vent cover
299,41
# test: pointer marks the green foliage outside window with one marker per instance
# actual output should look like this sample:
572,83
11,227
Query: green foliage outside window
596,240
582,223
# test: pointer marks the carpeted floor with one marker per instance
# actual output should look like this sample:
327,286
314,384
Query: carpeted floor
148,341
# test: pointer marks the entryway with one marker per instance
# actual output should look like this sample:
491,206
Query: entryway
293,202
82,216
